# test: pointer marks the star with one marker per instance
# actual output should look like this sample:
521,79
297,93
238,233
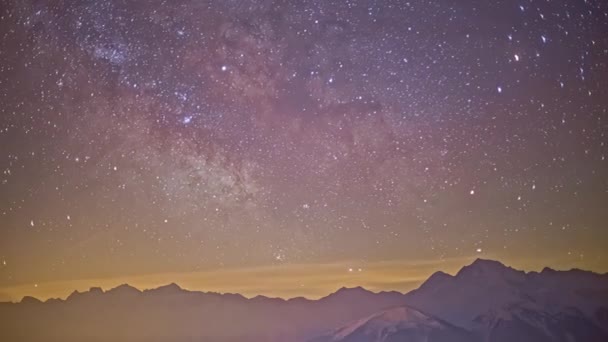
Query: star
182,137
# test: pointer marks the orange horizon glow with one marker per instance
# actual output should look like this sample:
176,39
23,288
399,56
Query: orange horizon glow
311,281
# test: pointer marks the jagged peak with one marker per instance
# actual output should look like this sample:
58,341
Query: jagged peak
124,288
54,300
74,294
483,266
574,272
262,298
91,291
345,289
352,290
298,300
95,290
30,300
392,292
169,288
436,279
439,275
487,263
172,285
546,270
348,291
232,296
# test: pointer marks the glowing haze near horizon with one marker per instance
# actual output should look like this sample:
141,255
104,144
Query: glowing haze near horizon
292,147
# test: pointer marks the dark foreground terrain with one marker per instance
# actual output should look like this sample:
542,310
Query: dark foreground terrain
485,301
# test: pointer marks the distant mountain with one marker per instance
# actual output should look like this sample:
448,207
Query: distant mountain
170,313
484,302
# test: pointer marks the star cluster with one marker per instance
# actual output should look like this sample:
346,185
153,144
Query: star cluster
176,136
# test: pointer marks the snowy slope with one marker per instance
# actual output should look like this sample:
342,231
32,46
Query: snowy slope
398,324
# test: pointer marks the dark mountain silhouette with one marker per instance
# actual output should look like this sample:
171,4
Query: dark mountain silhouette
485,301
170,313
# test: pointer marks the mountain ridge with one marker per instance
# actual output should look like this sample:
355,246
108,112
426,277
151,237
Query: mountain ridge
484,301
479,264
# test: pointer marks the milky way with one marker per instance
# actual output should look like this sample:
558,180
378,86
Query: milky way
143,137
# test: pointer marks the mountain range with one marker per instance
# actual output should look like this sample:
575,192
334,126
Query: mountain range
484,302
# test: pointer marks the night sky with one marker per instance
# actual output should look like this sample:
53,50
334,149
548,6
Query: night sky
292,147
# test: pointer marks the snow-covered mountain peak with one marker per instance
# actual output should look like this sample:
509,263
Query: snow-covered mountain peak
396,324
487,268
